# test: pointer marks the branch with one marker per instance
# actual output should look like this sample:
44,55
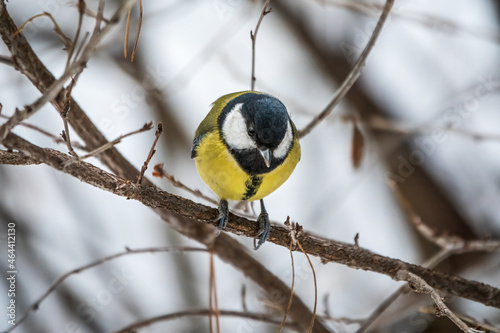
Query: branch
253,36
111,144
152,151
353,75
16,158
74,69
57,139
78,270
420,286
205,312
27,62
165,204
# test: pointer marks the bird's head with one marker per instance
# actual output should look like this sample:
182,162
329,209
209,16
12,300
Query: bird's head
257,130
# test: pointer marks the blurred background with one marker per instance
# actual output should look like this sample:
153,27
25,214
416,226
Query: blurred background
427,106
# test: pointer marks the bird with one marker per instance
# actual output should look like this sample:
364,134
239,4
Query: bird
245,148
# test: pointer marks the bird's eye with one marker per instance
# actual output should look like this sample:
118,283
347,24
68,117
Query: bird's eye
251,132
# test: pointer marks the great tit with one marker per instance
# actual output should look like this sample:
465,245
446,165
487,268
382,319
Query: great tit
244,149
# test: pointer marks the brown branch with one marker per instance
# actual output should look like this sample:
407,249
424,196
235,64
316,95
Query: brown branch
477,324
111,144
6,61
81,6
353,75
66,41
16,158
450,245
136,42
160,172
152,151
101,261
205,312
419,285
453,243
55,86
166,204
57,139
181,214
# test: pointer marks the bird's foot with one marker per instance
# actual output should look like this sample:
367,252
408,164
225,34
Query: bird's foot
223,215
265,226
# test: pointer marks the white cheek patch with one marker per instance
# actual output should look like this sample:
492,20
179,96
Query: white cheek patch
234,130
284,146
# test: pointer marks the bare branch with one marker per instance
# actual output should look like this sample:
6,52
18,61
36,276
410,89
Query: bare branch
477,324
66,41
166,204
451,242
16,158
419,285
191,313
353,75
152,151
78,270
75,68
81,11
6,61
287,310
159,171
57,139
182,215
111,144
253,36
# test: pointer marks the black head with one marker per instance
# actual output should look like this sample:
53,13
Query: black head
266,119
256,128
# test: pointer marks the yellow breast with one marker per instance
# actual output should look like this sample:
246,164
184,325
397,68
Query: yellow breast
220,171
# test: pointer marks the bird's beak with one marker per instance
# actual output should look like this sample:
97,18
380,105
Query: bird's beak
266,155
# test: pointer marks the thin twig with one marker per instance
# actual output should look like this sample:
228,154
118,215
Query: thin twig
81,11
419,285
106,146
66,41
490,328
152,151
136,42
384,305
57,139
127,30
253,37
353,75
445,241
205,312
449,245
430,21
128,251
6,60
244,298
382,124
210,296
214,304
287,310
76,67
315,287
64,115
159,171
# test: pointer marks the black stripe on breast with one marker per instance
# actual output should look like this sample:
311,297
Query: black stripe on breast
252,186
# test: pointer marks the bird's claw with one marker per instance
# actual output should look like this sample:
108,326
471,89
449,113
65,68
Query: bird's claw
265,229
223,216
